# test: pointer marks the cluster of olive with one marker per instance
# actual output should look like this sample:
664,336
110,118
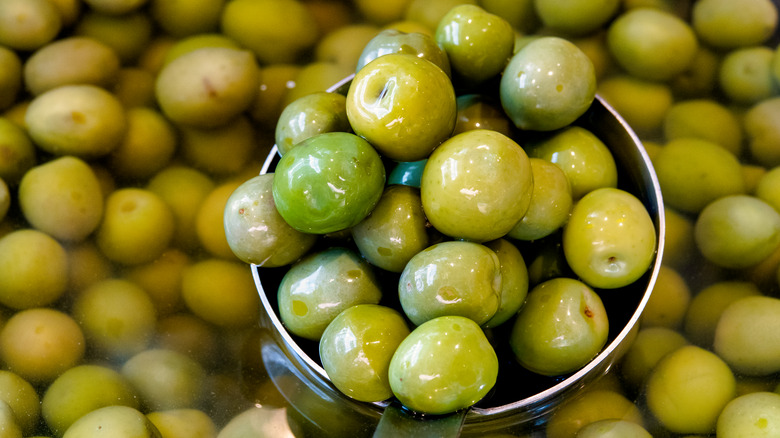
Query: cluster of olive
449,232
153,175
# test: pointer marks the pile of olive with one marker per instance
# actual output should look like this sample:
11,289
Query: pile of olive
121,303
408,278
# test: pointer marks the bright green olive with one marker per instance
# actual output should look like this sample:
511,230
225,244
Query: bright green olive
583,157
310,115
329,182
403,105
394,41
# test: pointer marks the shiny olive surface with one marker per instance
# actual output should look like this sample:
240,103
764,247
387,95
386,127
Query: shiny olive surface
477,185
451,278
444,365
356,349
389,103
308,116
419,44
583,157
514,281
609,240
394,231
255,231
548,84
328,182
317,288
551,201
478,43
561,326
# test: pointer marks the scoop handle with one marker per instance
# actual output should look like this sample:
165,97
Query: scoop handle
397,422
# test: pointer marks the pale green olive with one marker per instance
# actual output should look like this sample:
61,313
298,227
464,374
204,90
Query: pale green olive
610,238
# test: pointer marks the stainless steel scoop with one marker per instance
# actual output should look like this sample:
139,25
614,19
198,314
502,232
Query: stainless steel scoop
305,384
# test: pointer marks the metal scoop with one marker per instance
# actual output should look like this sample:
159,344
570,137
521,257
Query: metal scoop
305,384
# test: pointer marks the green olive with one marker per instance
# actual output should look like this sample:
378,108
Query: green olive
28,253
610,238
309,115
183,189
591,406
254,229
444,365
688,388
165,379
583,157
451,278
11,73
276,31
112,420
81,390
183,423
726,25
560,328
478,44
82,120
394,231
320,286
693,172
356,348
63,198
137,226
148,146
652,44
207,87
28,25
22,398
72,60
117,317
650,346
576,17
477,185
547,84
753,414
707,306
514,281
220,292
39,344
737,231
551,202
744,335
669,300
